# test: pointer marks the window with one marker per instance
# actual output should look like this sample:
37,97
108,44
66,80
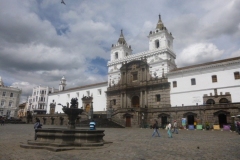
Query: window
210,101
214,78
158,98
99,92
157,44
236,75
41,98
10,104
116,55
223,100
114,101
11,94
4,94
169,43
126,54
2,103
135,77
174,84
193,81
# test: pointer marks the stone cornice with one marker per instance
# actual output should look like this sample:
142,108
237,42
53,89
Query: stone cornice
141,55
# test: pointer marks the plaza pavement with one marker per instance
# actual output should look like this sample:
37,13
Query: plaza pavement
128,144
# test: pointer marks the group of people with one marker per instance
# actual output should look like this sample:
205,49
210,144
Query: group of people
168,128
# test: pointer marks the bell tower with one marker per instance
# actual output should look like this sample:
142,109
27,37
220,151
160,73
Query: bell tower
121,49
62,85
160,38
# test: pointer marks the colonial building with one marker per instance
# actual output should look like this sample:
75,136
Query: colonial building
148,85
9,97
37,103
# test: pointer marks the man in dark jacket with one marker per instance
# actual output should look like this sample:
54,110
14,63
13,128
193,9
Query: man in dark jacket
155,127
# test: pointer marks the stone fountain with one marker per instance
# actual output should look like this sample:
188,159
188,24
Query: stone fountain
59,139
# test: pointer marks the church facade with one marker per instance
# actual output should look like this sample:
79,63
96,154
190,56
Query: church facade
145,86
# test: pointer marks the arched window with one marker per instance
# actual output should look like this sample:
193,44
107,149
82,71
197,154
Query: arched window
157,43
210,101
223,100
2,103
116,55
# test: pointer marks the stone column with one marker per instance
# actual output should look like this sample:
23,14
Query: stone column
121,101
141,105
145,97
125,102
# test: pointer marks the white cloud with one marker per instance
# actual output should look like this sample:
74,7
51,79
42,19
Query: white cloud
198,53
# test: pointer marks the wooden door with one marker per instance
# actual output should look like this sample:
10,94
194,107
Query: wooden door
128,121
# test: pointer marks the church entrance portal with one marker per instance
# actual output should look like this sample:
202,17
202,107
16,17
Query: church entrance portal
128,121
190,119
222,118
135,101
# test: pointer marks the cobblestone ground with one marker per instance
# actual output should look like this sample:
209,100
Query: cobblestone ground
128,143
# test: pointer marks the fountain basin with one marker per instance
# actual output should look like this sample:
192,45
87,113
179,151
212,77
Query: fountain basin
59,139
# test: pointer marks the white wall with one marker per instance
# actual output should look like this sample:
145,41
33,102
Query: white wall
188,94
99,101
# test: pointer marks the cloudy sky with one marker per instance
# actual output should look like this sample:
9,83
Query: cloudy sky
42,40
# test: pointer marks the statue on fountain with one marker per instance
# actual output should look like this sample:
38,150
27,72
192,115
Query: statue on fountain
74,103
72,112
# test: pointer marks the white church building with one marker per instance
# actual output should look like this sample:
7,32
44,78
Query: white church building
194,85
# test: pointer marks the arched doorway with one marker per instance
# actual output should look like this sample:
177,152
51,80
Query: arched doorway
210,101
190,119
135,101
190,116
87,108
222,119
223,100
164,121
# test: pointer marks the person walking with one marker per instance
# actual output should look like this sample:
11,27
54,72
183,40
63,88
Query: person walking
169,126
37,125
2,121
175,129
155,127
